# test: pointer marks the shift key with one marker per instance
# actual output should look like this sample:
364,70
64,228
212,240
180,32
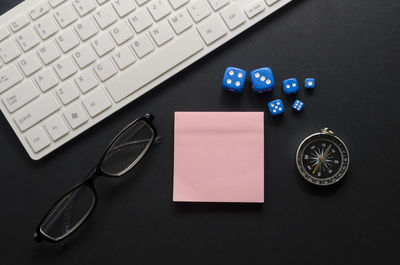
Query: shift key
36,112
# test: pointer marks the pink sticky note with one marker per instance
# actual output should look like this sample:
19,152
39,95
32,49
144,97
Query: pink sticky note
219,157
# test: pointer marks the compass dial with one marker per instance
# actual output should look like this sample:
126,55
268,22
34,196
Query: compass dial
322,158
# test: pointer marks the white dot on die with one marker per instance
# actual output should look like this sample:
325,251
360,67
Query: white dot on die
268,81
294,84
231,72
280,109
310,83
272,105
240,75
276,107
274,110
257,75
229,81
278,103
262,78
237,83
288,86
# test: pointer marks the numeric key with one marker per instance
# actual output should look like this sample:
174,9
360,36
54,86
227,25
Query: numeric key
46,28
38,11
84,7
65,16
27,39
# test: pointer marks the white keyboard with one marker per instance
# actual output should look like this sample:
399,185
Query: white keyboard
67,64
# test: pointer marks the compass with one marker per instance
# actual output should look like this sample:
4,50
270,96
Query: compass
322,158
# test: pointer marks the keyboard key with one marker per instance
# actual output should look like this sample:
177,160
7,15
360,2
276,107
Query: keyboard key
65,15
199,10
124,57
218,4
36,111
46,79
84,56
103,44
140,21
56,127
271,2
121,33
37,139
67,93
233,16
39,10
19,22
142,46
30,64
86,81
255,9
86,29
65,68
75,115
48,53
4,33
123,7
100,2
84,7
162,33
55,3
96,102
18,96
9,77
159,63
212,30
104,69
9,51
180,22
141,2
27,39
67,40
159,9
177,3
46,28
105,17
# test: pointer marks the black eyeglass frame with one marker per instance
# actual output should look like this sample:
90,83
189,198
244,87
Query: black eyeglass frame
93,175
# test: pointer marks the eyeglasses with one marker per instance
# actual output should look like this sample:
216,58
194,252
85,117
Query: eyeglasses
122,154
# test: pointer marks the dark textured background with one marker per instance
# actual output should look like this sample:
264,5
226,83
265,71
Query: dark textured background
351,47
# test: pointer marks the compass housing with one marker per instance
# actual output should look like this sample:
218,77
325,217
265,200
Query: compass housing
322,158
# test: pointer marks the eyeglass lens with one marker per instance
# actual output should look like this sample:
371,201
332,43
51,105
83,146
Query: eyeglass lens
68,213
128,149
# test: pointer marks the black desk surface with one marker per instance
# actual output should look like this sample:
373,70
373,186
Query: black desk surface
351,47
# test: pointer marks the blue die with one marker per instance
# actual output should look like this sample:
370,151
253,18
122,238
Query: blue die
290,86
276,107
309,83
262,79
298,105
234,79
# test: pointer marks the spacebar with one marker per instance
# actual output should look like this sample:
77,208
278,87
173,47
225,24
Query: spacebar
151,68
